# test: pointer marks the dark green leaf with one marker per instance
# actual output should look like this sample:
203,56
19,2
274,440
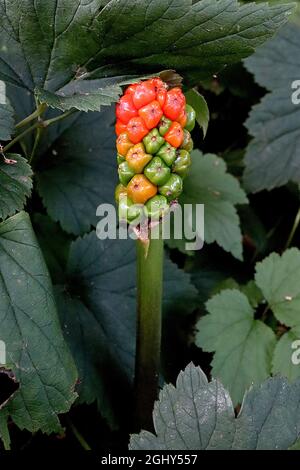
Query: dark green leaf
15,185
86,96
209,184
79,172
54,244
199,104
277,277
36,351
48,45
243,346
6,114
197,415
283,355
272,158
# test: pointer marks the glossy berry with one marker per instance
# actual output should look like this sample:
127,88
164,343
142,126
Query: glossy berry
128,211
125,109
157,207
157,171
174,104
120,191
157,83
151,114
174,136
125,173
164,125
187,143
191,118
120,158
137,158
161,96
167,153
143,94
182,119
153,127
172,188
140,189
124,144
182,163
120,127
153,141
130,89
136,129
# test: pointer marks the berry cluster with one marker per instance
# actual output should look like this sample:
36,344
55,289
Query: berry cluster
154,143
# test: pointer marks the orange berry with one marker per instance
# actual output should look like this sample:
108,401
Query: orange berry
174,136
120,127
182,119
151,114
137,158
136,129
140,190
123,144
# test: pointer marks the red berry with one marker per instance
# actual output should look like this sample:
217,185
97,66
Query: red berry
130,89
158,83
174,136
137,130
125,109
182,119
151,114
175,102
120,127
161,96
143,94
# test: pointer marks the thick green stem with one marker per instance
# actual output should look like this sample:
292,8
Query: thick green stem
149,282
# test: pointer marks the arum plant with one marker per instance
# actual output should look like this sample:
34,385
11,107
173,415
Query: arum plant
153,128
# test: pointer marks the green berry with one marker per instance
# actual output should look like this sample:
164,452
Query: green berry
120,191
156,207
182,163
125,173
128,211
164,125
187,143
153,141
167,153
157,171
191,118
120,158
172,188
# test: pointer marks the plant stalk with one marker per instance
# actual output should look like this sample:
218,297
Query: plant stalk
293,231
150,287
38,112
20,136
